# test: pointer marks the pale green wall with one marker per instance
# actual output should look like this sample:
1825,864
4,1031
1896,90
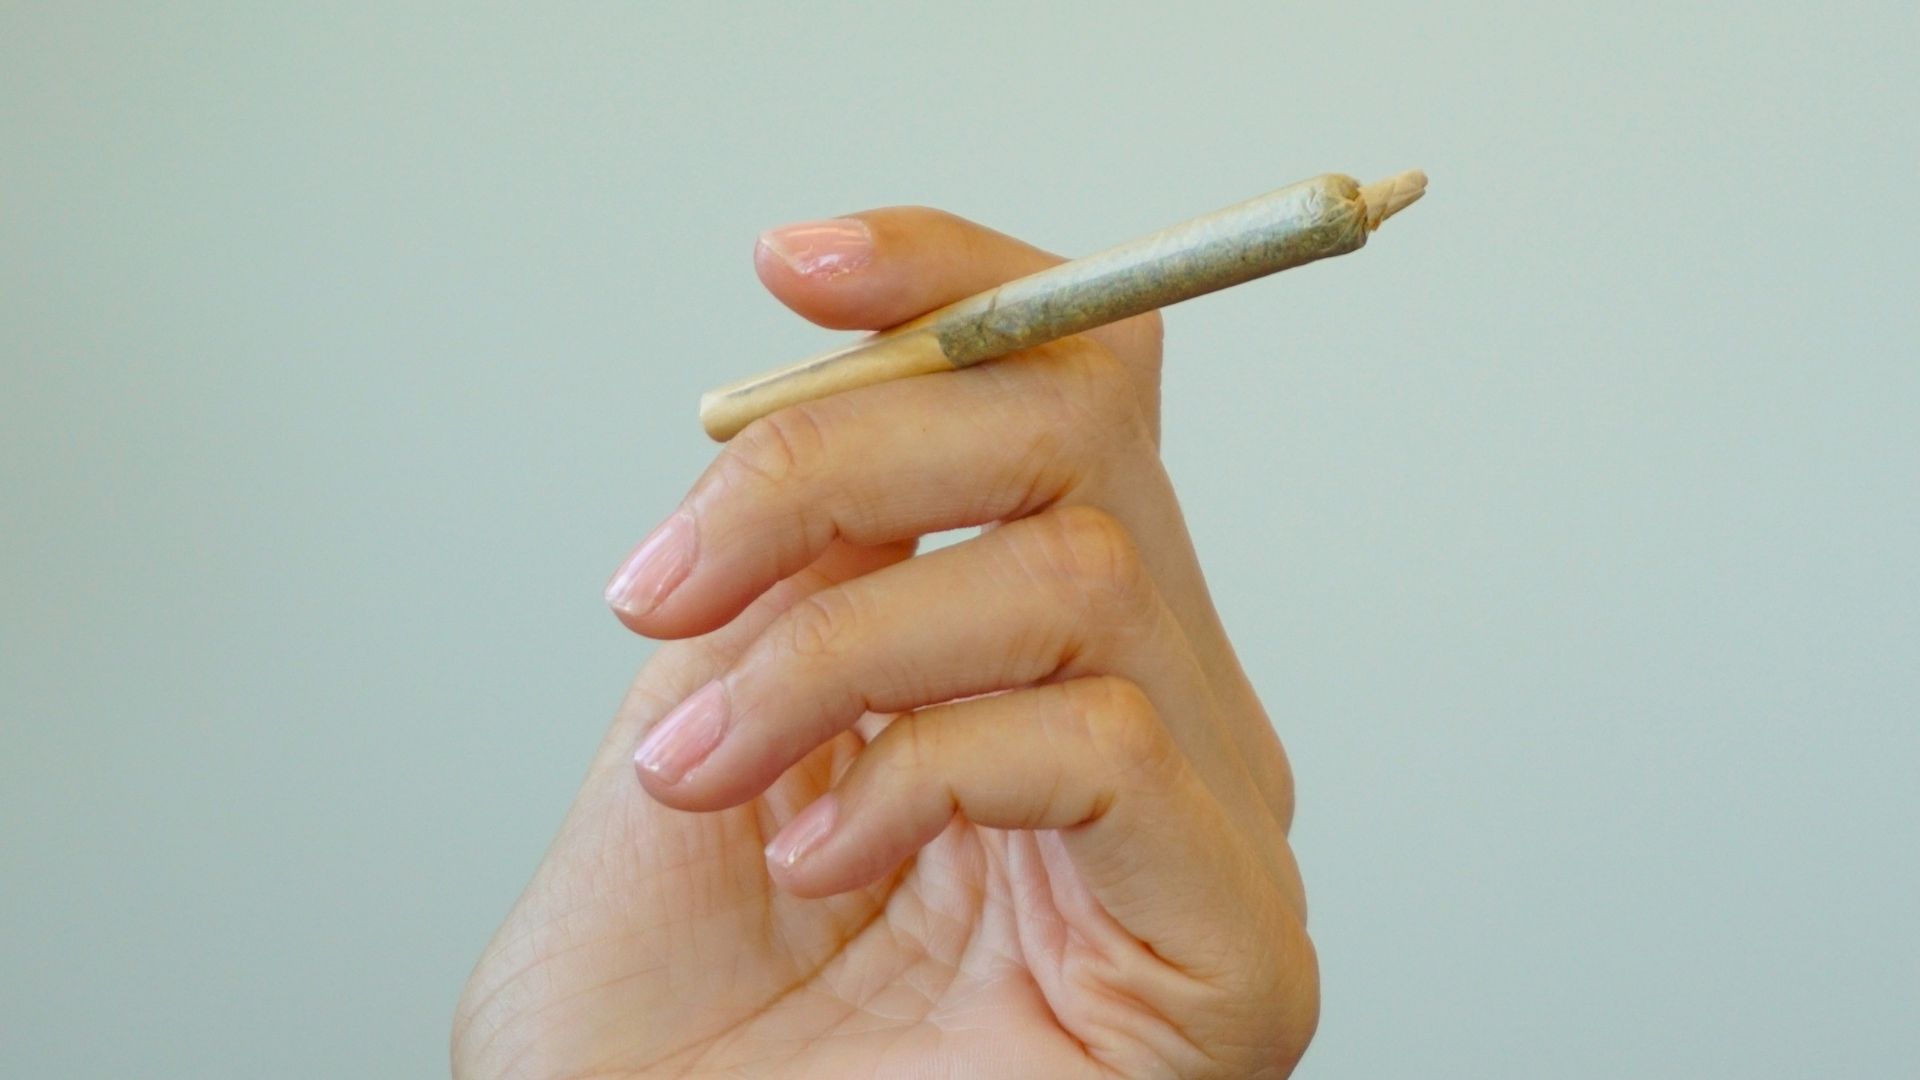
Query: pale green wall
1570,530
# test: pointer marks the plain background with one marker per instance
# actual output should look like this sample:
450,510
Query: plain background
1570,530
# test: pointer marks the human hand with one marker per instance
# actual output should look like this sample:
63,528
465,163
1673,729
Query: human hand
1027,816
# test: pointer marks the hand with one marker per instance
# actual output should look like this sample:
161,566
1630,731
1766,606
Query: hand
1027,816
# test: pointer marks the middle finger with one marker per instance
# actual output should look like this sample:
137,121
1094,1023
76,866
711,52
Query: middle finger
1052,596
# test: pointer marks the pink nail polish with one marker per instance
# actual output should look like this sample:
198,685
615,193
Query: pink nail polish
805,832
822,249
655,568
686,736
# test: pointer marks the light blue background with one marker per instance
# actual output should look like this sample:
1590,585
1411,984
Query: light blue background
1570,530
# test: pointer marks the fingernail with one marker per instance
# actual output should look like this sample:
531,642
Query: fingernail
804,833
824,249
684,737
653,570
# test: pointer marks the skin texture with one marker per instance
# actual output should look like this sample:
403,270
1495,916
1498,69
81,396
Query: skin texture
1056,812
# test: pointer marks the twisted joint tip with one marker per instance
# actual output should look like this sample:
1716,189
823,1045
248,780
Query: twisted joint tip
1385,198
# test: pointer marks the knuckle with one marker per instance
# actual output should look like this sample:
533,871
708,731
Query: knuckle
819,623
777,447
1121,723
905,756
1077,416
1048,466
1090,389
1092,554
915,749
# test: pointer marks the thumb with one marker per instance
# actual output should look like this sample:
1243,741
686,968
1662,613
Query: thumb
880,268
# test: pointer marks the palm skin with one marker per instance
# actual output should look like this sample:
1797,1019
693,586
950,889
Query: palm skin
662,941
